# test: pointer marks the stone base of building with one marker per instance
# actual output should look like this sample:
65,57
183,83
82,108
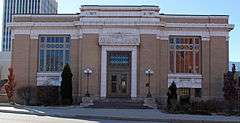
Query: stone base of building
86,101
150,102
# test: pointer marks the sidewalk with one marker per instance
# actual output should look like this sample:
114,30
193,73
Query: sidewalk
116,114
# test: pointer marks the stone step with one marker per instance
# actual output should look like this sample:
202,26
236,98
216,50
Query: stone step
126,100
119,104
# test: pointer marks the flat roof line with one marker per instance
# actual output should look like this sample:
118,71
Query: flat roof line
119,6
189,15
46,14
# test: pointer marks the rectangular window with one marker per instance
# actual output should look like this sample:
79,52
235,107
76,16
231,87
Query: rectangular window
54,53
184,54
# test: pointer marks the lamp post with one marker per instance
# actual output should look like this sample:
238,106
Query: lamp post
148,73
87,72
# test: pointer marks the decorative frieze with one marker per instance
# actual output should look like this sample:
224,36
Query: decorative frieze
119,39
120,14
185,80
120,21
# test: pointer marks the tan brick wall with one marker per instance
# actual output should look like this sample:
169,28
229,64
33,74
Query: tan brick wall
90,57
33,60
219,65
214,65
24,60
148,51
205,65
75,66
164,67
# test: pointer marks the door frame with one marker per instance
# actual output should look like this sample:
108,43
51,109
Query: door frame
103,83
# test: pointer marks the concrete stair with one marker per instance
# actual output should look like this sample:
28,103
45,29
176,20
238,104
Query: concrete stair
118,103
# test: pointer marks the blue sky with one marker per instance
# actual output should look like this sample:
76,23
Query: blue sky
209,7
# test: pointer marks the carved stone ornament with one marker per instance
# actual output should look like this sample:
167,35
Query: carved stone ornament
185,81
119,39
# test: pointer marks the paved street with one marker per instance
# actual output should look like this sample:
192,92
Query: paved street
76,114
25,118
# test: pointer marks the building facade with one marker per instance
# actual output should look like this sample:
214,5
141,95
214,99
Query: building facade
12,7
119,43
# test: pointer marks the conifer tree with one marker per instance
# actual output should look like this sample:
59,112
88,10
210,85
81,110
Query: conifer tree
66,86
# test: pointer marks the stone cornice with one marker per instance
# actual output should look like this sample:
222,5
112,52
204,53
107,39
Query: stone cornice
197,25
120,22
177,16
118,8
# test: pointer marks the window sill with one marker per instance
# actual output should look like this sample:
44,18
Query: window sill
185,80
49,79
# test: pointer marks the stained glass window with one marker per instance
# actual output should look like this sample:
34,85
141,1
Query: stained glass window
184,54
119,59
54,52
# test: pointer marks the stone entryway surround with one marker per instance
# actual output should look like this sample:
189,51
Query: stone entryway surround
118,41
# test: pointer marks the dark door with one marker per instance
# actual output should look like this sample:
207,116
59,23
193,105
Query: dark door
119,74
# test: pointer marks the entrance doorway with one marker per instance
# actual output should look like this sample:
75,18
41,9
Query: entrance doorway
118,73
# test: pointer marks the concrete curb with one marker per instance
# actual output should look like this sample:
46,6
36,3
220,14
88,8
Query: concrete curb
149,119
